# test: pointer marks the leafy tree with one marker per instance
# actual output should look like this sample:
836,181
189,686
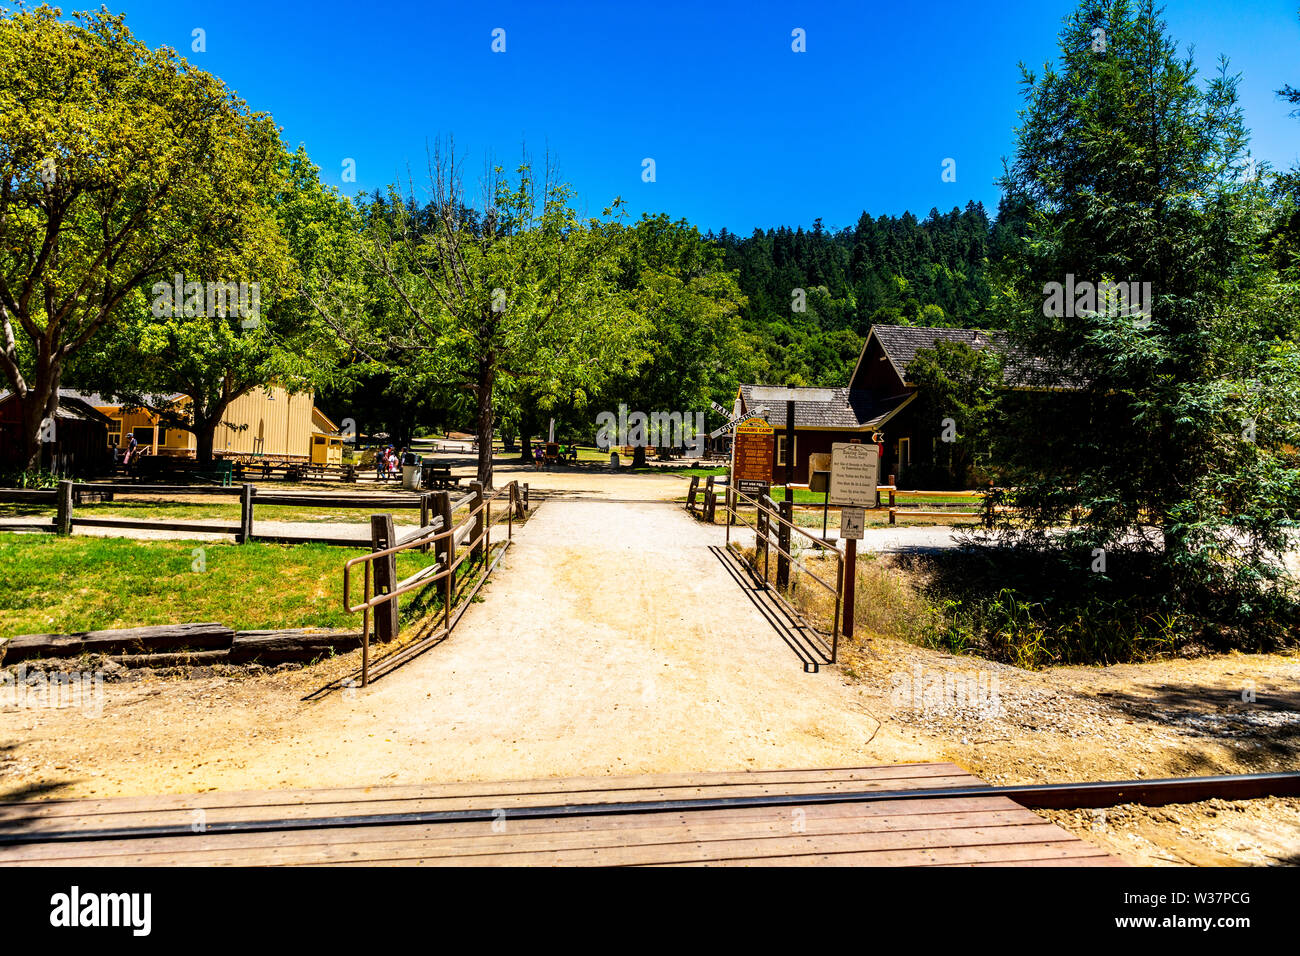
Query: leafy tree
119,167
1128,168
214,356
958,389
513,296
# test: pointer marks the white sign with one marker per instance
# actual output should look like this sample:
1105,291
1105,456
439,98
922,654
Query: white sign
757,413
854,471
853,523
778,393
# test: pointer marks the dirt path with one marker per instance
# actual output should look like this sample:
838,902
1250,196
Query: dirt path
612,640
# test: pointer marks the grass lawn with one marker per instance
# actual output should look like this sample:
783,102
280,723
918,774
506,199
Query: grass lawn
61,585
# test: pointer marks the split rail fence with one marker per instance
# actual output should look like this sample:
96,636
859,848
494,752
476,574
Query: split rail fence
454,542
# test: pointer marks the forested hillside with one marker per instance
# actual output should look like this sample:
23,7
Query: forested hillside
811,295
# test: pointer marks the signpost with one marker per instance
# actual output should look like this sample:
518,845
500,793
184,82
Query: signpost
855,473
751,456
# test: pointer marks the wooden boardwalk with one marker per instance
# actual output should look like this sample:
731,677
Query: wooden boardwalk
929,831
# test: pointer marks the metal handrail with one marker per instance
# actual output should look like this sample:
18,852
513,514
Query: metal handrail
729,507
432,535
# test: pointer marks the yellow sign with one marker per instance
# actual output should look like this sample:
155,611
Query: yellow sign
755,426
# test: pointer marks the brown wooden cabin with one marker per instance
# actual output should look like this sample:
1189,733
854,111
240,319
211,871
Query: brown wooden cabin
879,401
80,445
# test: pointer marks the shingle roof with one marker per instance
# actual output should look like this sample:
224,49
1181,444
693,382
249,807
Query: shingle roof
901,343
848,409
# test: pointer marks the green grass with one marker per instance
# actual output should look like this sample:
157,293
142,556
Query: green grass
62,585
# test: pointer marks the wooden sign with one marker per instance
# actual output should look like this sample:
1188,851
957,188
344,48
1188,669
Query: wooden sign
854,474
752,451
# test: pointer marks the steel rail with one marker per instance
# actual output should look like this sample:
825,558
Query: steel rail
1056,796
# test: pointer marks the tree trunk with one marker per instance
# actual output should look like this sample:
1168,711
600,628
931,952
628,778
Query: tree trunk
638,456
487,374
40,403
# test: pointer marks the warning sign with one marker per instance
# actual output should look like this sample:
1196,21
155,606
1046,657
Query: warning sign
752,450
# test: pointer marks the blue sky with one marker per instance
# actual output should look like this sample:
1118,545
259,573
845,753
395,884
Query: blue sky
743,131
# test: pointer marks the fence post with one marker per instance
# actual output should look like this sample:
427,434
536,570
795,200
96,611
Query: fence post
525,496
710,500
63,509
477,528
444,548
783,539
245,514
690,495
517,500
382,537
424,518
891,499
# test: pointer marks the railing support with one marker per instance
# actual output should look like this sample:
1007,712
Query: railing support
245,514
382,537
783,541
476,531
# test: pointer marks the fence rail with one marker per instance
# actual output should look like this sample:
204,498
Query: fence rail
469,539
767,512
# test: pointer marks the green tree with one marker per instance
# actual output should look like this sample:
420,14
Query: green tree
120,166
1130,169
958,389
512,296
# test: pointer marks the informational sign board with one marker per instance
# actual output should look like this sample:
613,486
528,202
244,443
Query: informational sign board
853,523
751,456
854,474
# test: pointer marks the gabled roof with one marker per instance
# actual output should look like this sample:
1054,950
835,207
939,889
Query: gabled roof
72,407
854,409
1019,368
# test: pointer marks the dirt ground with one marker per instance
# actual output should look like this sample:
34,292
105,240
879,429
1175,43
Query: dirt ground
613,640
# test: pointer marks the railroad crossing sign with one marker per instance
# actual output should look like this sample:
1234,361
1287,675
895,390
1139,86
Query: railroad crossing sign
751,455
731,424
854,475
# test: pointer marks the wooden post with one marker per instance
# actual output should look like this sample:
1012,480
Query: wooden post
477,527
891,499
245,514
525,496
850,583
690,495
710,500
63,509
518,500
760,532
424,518
382,537
783,539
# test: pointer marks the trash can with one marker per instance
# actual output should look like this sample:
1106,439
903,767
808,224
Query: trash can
411,471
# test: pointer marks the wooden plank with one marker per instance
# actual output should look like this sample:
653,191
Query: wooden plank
145,524
28,495
572,787
923,814
545,791
1067,852
472,840
276,647
489,802
130,640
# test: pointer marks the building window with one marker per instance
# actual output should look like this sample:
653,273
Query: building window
143,434
780,449
905,451
114,432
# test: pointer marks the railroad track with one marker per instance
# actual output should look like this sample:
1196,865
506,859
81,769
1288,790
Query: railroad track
1054,796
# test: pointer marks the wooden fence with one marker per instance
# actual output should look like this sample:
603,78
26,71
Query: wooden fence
69,494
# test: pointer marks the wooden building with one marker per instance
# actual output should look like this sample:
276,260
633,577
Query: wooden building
879,404
267,423
80,437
